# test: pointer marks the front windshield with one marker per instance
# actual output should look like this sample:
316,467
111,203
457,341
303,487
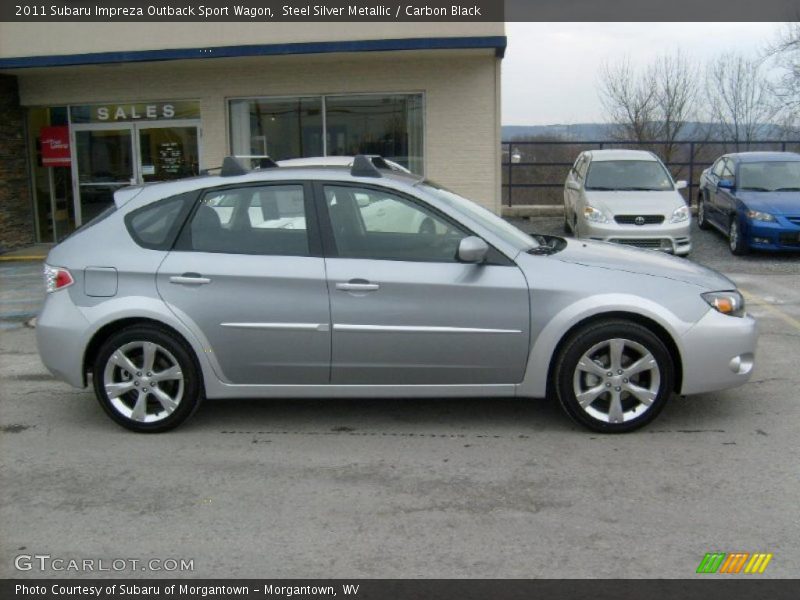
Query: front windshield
505,231
628,175
770,176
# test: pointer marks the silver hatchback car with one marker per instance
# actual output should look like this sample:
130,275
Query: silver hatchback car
366,282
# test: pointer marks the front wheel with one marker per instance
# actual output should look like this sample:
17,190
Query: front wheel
146,379
614,376
736,241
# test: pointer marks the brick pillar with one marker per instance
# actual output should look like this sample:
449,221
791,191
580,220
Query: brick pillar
16,209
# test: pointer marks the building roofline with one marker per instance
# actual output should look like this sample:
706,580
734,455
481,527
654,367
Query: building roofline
497,43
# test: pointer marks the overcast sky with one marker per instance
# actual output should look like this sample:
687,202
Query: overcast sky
550,69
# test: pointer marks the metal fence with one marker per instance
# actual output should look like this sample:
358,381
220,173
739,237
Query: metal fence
534,170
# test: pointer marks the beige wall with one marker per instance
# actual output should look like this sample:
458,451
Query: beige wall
42,39
461,87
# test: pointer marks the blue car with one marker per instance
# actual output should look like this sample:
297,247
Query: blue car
754,199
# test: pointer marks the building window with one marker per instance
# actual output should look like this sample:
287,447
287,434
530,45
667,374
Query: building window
282,128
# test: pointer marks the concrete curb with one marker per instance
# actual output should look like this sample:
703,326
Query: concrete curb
21,258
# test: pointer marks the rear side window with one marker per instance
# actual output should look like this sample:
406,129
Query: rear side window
155,226
268,220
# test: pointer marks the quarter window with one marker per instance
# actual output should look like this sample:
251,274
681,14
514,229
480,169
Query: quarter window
376,224
156,225
267,220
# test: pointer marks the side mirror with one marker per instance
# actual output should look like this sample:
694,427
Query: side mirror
726,184
681,185
472,249
573,185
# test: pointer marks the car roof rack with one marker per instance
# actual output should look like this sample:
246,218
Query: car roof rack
369,165
232,166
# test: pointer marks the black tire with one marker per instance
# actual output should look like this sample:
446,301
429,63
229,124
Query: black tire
702,219
736,242
186,386
635,414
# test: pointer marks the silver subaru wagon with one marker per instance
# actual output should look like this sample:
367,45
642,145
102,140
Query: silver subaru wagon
364,281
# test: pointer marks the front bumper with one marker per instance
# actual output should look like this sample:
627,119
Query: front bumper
60,328
718,353
781,235
669,237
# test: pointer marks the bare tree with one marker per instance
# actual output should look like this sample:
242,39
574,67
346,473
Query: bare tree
653,103
629,98
741,100
786,54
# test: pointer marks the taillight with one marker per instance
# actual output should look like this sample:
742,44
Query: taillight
56,278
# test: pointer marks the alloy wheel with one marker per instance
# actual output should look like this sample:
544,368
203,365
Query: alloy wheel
143,382
616,380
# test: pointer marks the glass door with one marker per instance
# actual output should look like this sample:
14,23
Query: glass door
168,150
104,160
110,156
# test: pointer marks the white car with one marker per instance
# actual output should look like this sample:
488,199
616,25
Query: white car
627,197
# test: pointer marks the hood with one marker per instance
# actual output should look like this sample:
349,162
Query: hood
615,257
776,203
635,203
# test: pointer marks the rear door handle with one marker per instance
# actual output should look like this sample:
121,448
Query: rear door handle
189,279
357,286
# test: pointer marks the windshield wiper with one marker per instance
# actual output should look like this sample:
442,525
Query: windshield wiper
787,189
600,189
756,189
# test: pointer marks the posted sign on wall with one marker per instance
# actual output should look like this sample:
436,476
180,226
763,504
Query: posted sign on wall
135,111
55,146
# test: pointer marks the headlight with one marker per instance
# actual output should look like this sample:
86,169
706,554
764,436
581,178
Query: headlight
680,214
728,303
590,213
757,215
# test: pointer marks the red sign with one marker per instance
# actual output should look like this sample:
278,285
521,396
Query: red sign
55,146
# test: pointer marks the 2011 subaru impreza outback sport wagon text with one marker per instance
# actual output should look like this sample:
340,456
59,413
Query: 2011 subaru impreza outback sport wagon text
364,281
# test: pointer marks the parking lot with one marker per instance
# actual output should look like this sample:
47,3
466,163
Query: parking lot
413,488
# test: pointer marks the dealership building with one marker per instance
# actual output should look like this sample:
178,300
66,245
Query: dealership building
88,108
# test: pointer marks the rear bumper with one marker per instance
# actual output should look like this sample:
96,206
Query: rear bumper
718,353
60,328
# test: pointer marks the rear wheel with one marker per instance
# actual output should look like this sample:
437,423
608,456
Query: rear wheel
146,379
614,376
702,219
736,241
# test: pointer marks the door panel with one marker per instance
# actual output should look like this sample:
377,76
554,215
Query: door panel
247,272
266,318
404,311
427,323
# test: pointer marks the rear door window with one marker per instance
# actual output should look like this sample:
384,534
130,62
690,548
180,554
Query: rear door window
267,219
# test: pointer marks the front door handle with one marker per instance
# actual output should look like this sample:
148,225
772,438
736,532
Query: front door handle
189,279
358,285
